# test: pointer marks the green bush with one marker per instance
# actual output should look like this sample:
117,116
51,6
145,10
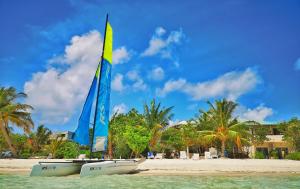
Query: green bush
274,154
68,150
259,155
25,154
293,156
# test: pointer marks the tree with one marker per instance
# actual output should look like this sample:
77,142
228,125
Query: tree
224,127
137,138
157,119
54,146
67,149
291,132
117,143
171,139
40,138
189,136
14,113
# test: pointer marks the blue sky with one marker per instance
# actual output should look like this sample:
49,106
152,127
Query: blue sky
182,54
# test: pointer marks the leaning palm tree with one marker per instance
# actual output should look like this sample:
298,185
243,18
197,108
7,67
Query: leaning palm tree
157,119
14,113
223,126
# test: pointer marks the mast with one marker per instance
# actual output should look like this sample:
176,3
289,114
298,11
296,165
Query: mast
96,109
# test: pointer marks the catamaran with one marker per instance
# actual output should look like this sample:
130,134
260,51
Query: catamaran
101,87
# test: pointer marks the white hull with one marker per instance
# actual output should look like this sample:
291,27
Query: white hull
108,167
55,169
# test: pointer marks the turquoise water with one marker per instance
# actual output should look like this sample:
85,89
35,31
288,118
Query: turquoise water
155,182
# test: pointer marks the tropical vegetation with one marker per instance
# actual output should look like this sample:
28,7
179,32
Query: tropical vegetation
133,134
13,113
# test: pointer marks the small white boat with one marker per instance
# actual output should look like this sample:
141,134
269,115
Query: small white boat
56,168
109,167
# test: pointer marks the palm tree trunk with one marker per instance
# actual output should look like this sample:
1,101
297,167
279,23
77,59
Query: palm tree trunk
223,148
7,139
187,152
110,151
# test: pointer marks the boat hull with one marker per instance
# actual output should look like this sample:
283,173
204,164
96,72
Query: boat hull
108,168
56,169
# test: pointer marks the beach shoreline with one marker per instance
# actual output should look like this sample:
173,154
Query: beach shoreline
232,167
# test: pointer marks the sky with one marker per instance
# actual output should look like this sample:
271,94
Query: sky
183,54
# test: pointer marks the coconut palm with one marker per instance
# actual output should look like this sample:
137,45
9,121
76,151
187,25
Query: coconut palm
223,126
13,113
157,118
40,138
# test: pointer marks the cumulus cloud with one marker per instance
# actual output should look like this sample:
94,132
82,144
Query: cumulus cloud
160,31
156,74
231,85
58,92
163,46
137,82
170,86
259,114
117,83
120,108
121,55
297,64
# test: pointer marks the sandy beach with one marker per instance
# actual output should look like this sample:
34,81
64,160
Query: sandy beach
180,167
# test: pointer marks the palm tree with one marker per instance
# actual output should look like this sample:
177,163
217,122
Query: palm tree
189,136
40,138
13,113
54,145
157,119
223,126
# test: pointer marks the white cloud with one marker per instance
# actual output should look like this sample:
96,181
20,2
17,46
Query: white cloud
121,55
117,83
297,64
57,93
170,86
133,75
259,114
156,74
138,83
160,31
230,85
163,47
120,109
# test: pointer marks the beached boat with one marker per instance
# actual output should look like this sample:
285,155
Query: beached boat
109,167
56,168
101,87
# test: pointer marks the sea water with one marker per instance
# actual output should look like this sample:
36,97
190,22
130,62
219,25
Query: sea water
155,182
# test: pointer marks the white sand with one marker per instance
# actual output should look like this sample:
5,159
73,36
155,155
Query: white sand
222,166
178,167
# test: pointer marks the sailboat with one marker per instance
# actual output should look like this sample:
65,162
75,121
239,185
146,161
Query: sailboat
101,87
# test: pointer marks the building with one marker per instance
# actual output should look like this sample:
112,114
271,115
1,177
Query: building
65,135
275,143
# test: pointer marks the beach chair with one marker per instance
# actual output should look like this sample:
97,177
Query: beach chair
150,155
183,155
159,156
207,155
213,153
81,156
195,156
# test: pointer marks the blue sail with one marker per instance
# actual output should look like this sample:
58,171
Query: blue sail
81,134
102,109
